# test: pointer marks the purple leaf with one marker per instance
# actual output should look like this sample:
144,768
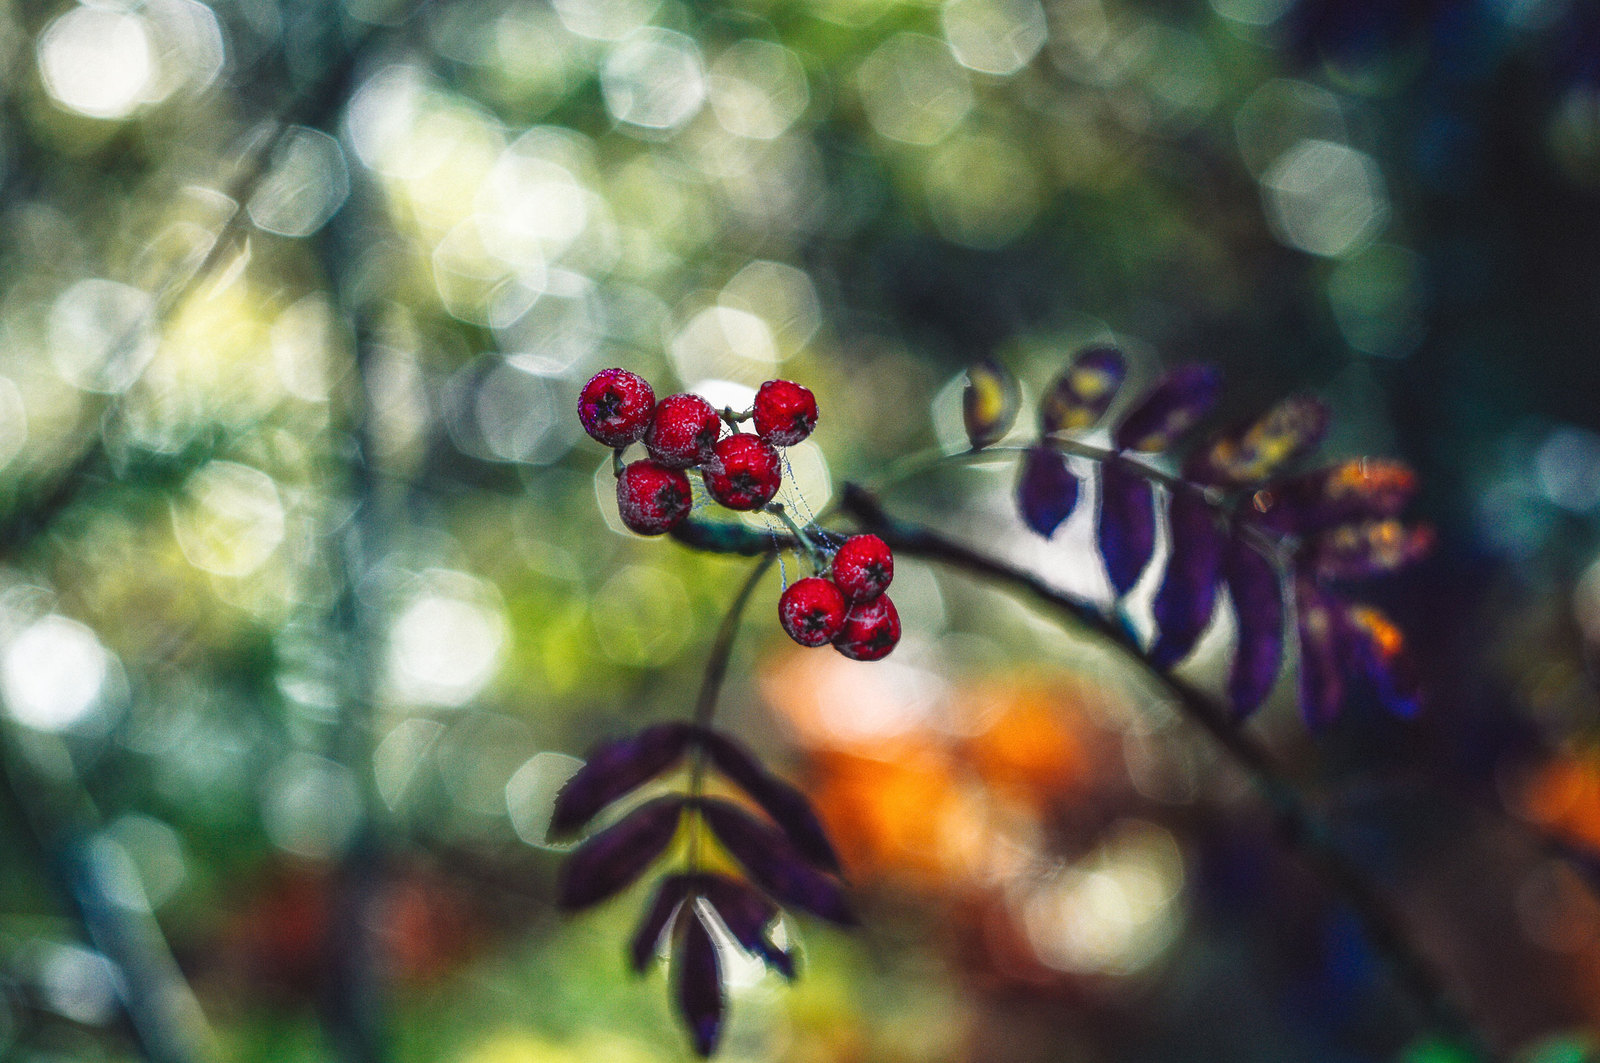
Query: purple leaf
1082,393
614,769
1176,404
1127,529
1258,610
787,806
699,985
775,865
747,915
1375,651
1321,664
989,404
1279,438
1188,593
1047,490
611,860
668,900
1359,551
1353,491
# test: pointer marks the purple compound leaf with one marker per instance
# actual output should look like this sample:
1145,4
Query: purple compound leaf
1127,526
671,893
1083,392
786,805
1322,639
1047,490
698,978
989,404
1373,548
1257,452
1188,593
747,915
1351,492
611,860
615,769
775,865
1258,611
1174,405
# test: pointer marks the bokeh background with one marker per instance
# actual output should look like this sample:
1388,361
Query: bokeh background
312,589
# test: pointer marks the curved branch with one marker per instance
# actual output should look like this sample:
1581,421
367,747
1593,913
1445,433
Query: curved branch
1297,824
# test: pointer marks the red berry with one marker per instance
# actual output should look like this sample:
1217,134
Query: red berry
744,472
812,611
615,406
651,497
863,568
871,629
785,412
683,431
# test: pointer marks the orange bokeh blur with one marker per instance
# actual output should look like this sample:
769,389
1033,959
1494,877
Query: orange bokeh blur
1563,797
947,790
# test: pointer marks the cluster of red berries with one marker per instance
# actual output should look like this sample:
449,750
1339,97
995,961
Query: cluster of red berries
849,610
741,470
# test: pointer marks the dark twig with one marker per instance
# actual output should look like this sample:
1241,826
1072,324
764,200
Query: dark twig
1299,827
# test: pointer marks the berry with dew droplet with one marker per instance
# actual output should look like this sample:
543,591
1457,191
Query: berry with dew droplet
785,412
871,630
812,611
743,473
863,568
615,407
683,431
651,497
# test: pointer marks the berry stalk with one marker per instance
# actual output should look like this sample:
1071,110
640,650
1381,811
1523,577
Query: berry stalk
705,706
814,554
928,460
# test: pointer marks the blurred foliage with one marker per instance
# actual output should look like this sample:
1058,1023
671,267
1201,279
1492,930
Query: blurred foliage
302,551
